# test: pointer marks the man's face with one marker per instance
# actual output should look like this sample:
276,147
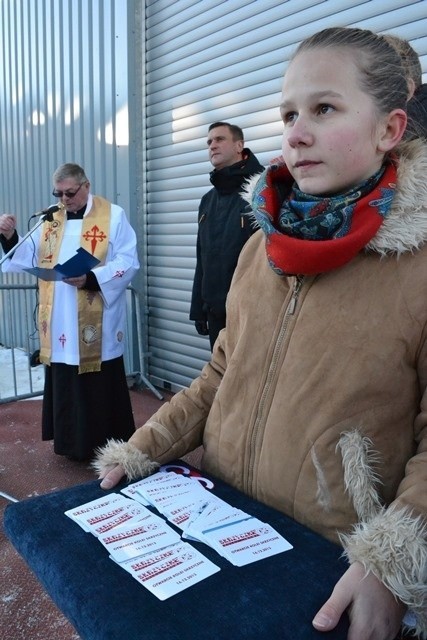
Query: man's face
72,194
223,150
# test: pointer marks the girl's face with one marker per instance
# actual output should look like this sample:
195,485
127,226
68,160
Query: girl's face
332,137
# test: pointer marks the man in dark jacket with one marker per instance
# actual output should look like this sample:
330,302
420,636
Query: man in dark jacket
223,226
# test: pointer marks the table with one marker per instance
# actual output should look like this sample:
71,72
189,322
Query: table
275,598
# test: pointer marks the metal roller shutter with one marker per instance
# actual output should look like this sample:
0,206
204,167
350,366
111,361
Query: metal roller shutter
208,60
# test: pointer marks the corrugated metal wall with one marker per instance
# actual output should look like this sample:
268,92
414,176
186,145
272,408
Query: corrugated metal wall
209,61
64,97
75,76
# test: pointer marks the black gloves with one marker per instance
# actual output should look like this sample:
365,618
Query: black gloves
202,327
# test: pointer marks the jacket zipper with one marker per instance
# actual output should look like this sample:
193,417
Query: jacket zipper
290,310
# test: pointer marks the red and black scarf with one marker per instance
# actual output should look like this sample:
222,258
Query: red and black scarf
308,234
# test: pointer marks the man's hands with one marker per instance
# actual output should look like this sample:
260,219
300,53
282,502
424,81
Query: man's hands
374,612
202,327
112,476
78,281
7,225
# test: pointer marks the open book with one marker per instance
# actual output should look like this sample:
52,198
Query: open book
79,264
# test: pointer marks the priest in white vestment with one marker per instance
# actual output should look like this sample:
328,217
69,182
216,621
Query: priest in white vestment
82,318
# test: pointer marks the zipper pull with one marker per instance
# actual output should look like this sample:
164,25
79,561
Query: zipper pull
291,306
293,301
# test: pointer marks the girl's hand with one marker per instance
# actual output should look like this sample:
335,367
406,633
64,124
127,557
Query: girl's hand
374,612
111,476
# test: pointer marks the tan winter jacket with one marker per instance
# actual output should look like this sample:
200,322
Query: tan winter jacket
315,399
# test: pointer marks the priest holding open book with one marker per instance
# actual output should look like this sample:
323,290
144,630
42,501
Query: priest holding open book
90,246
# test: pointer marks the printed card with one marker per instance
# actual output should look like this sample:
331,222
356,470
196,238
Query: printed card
131,492
161,493
247,541
157,478
129,542
165,500
174,495
88,510
148,559
143,544
180,567
119,516
214,513
181,513
206,482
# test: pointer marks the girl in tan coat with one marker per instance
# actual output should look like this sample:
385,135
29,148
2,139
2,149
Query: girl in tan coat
315,399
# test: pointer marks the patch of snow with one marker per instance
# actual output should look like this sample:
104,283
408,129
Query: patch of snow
17,377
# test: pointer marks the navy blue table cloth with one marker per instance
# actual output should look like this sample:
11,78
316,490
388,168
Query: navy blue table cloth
274,598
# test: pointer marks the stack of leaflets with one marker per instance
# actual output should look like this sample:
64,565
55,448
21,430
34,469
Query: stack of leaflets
154,553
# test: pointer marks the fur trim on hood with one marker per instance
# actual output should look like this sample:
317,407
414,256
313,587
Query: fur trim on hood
405,228
135,463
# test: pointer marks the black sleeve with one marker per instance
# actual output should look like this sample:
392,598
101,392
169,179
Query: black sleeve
6,244
91,282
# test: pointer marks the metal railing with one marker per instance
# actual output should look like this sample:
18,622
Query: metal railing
20,376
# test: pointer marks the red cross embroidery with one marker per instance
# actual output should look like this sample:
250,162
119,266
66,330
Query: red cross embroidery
94,235
62,339
119,274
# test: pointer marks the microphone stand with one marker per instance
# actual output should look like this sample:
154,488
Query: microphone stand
47,217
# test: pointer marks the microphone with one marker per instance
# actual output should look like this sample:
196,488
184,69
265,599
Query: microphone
49,211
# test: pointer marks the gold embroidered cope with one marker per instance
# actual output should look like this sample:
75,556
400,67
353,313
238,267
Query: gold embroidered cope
94,238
